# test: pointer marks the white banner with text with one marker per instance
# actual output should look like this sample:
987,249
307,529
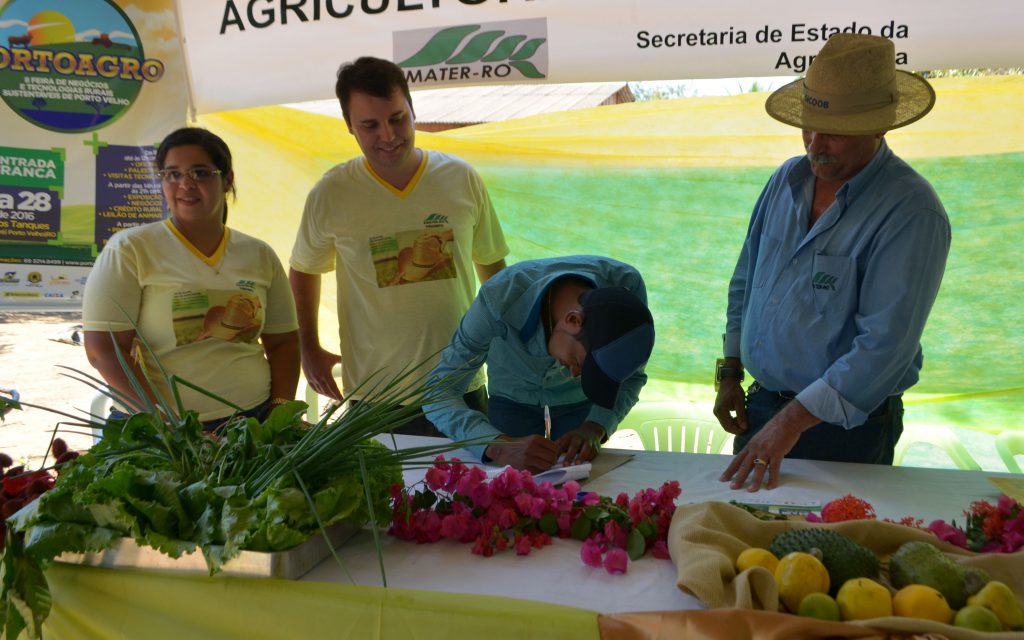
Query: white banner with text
244,53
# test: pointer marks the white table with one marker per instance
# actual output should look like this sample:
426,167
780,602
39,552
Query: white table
555,574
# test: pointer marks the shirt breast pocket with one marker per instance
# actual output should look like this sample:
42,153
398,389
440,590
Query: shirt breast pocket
832,282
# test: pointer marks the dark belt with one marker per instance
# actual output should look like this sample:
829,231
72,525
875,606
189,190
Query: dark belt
756,387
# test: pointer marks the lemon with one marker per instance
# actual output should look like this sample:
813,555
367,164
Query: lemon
977,617
797,575
819,605
756,557
863,599
922,601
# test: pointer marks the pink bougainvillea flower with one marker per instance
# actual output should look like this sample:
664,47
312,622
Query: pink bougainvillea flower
437,476
948,532
668,493
513,511
452,527
660,550
523,545
564,524
591,553
482,496
470,480
616,561
507,518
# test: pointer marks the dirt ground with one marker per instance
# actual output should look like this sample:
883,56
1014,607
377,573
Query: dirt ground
29,362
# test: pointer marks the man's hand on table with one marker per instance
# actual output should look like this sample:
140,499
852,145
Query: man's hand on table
532,453
731,406
764,453
581,444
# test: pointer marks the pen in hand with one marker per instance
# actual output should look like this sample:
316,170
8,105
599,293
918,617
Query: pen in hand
547,422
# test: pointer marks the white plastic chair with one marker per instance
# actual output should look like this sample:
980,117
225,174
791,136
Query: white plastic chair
1010,444
938,436
99,408
664,426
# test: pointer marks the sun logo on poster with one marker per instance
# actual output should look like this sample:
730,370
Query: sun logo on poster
464,54
71,67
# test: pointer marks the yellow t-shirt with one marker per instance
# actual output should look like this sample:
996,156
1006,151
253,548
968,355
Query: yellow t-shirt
404,260
202,317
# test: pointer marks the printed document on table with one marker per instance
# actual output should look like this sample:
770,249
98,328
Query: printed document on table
555,475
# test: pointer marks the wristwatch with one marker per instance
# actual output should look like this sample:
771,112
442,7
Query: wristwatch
722,370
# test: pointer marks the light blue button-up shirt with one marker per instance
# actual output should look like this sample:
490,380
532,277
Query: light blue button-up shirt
836,313
502,328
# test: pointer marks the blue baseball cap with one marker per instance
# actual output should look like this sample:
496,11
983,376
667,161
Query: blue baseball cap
618,330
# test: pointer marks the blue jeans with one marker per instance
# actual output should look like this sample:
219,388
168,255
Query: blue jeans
872,442
517,419
260,412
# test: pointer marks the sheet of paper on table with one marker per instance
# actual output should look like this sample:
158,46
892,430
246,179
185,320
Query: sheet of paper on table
602,464
791,507
555,475
1012,487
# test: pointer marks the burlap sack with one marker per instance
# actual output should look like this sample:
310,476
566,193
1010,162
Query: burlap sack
705,539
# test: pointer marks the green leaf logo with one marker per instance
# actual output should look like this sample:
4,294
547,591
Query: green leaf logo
476,48
440,47
504,49
480,51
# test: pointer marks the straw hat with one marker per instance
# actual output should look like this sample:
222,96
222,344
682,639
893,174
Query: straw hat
853,88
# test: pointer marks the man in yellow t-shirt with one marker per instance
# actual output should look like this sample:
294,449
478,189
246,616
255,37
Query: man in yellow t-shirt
404,230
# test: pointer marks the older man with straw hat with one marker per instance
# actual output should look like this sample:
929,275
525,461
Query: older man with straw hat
839,269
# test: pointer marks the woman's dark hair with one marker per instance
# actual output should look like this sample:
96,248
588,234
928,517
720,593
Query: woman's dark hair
209,142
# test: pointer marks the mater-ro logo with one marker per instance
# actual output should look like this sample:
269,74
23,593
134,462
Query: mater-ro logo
510,50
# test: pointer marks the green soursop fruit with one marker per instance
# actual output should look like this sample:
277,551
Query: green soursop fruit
919,562
843,558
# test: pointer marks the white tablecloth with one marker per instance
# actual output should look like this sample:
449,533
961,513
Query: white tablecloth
555,574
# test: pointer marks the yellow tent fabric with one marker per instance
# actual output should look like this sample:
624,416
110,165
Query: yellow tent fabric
564,183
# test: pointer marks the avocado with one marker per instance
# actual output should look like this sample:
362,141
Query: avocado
920,562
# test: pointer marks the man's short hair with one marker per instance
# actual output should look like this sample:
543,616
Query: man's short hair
373,76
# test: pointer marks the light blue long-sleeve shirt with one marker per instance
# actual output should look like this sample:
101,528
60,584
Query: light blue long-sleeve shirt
502,328
836,313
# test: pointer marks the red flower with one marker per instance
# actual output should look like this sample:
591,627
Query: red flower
847,508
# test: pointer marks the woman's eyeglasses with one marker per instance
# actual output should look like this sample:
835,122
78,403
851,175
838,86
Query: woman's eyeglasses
198,174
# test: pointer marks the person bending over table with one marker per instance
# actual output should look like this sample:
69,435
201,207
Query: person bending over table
841,264
569,336
212,303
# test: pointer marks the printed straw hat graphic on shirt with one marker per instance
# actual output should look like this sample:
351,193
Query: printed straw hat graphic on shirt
853,88
427,255
240,314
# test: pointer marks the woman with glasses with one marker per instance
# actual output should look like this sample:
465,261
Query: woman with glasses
190,297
